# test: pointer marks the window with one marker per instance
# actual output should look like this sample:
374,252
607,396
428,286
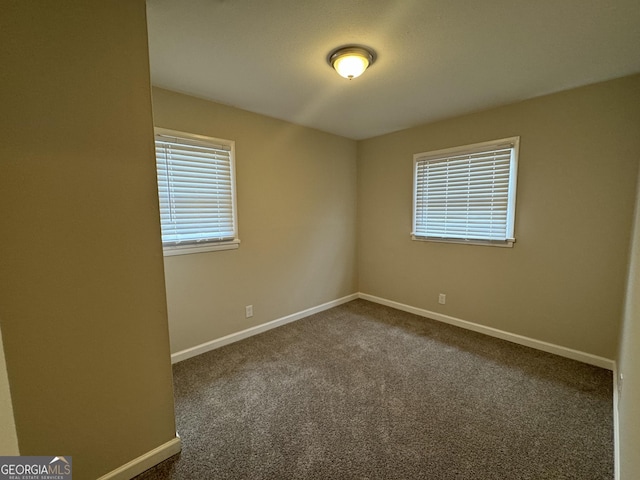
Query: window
467,194
196,186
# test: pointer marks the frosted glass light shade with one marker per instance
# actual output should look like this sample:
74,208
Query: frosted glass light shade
351,66
351,62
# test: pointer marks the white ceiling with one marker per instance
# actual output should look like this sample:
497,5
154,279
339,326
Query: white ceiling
436,58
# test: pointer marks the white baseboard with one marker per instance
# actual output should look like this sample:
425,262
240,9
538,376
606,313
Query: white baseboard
494,332
146,461
616,424
249,332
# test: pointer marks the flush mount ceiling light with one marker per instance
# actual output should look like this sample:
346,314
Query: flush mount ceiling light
351,62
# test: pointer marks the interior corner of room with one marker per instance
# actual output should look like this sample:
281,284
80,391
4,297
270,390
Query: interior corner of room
92,313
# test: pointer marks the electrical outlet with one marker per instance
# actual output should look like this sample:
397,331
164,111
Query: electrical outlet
248,310
442,298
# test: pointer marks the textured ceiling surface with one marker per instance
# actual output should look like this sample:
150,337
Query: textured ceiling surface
435,58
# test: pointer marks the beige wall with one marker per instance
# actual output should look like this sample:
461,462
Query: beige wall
82,305
296,214
8,438
629,366
564,280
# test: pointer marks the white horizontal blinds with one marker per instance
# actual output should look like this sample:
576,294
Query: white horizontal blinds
465,196
195,185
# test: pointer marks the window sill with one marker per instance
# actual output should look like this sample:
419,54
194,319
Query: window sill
195,248
485,243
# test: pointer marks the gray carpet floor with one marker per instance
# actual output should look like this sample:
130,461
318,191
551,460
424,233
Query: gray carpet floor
363,391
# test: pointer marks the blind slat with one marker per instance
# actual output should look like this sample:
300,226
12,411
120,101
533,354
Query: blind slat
467,195
195,188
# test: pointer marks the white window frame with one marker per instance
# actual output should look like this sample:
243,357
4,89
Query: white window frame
445,155
207,245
